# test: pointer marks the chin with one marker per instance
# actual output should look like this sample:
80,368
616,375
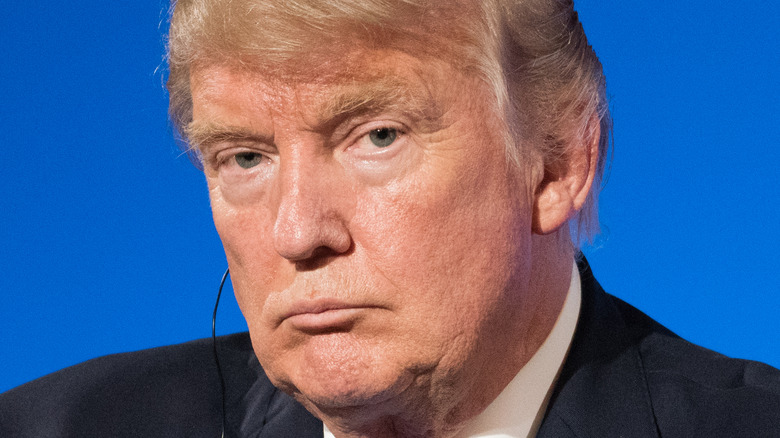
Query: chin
333,395
337,371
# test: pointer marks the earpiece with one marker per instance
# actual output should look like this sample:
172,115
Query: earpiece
214,344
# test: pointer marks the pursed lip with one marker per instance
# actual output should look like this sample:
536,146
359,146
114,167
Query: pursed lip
323,314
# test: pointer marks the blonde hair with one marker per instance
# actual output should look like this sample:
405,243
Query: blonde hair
547,80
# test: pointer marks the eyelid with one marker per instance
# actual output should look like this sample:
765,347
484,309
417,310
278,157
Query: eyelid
365,129
221,156
360,148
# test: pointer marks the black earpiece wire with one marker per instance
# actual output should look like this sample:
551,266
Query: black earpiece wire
214,344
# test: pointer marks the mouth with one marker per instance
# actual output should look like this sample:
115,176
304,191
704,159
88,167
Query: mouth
323,316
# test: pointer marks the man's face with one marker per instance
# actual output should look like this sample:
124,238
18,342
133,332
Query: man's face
376,235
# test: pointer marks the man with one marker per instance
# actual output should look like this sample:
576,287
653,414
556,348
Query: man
400,189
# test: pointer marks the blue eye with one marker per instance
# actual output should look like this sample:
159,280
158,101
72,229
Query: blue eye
248,160
382,137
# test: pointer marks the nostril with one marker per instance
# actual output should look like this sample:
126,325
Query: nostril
318,258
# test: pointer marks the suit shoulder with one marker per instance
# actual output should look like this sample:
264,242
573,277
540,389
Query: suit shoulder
699,392
127,394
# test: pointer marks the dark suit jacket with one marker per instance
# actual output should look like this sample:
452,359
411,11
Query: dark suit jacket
625,376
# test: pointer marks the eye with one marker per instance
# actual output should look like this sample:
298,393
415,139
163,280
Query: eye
247,160
383,137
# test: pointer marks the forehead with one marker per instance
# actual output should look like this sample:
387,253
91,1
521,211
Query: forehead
361,82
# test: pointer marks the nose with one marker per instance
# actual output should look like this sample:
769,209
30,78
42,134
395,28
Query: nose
310,221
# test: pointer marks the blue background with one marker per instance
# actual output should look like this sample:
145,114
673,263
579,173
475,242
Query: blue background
106,240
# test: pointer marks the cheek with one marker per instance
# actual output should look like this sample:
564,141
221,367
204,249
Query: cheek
245,230
447,235
445,254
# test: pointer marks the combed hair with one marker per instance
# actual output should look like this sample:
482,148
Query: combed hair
547,81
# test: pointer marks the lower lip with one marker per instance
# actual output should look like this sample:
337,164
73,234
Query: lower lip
335,319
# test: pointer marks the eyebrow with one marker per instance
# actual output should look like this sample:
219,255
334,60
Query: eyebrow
389,94
201,135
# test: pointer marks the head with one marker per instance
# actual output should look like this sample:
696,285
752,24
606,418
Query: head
392,183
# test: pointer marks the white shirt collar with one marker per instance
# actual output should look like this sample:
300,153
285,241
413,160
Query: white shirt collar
518,411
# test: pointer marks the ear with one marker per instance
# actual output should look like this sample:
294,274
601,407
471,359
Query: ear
566,184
